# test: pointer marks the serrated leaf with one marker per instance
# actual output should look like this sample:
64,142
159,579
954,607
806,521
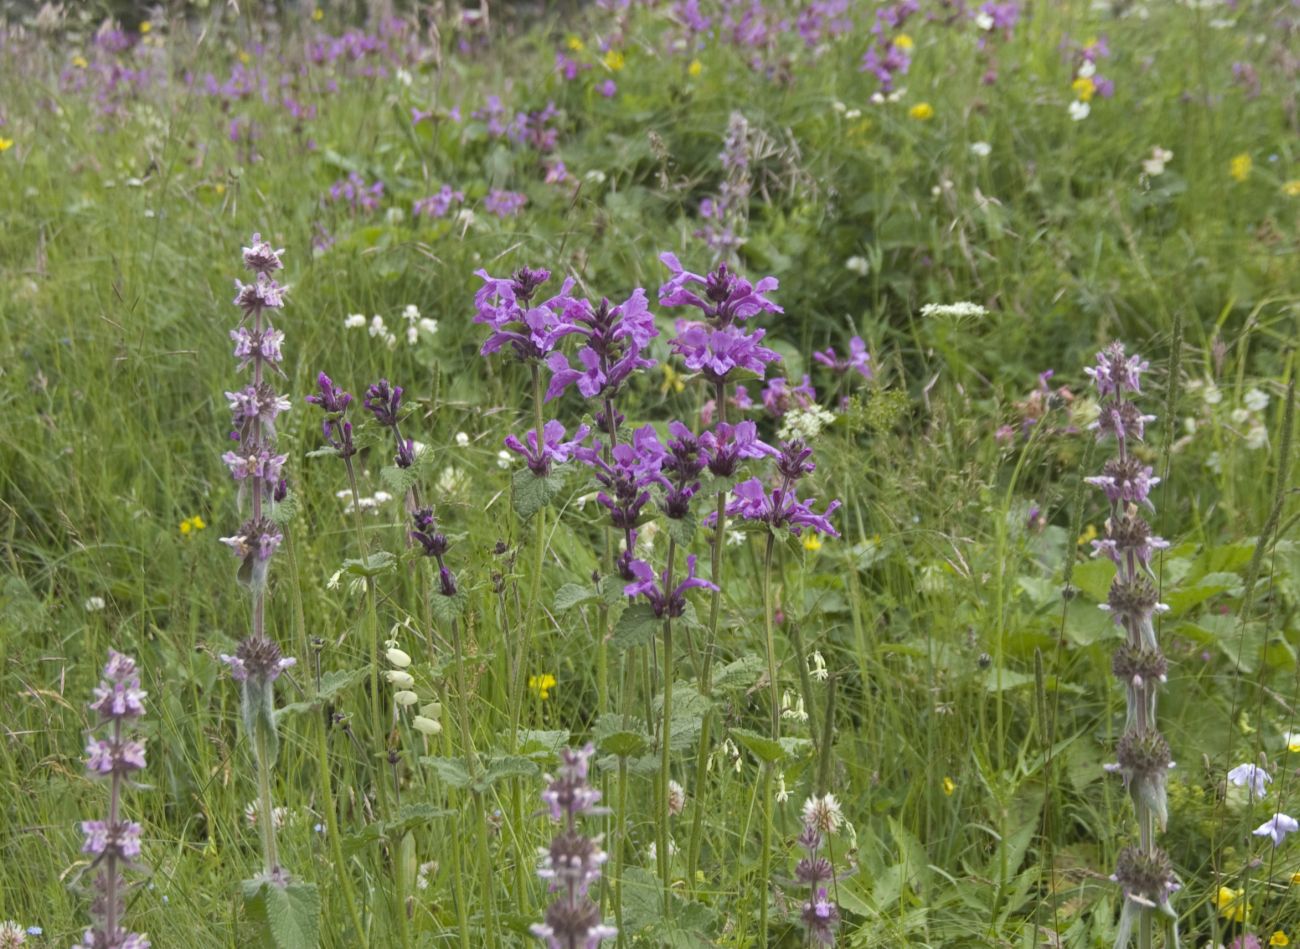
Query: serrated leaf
447,609
288,916
765,749
398,480
533,492
332,683
611,589
500,767
410,816
739,673
571,595
531,742
370,566
682,530
635,627
451,771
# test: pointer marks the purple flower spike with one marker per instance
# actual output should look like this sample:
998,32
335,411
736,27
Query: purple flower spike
782,508
727,297
531,331
262,294
257,660
858,360
615,338
727,445
1115,373
332,398
384,401
553,450
647,585
719,354
336,429
260,257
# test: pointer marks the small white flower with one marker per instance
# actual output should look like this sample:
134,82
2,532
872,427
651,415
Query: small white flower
1255,400
1088,69
735,538
411,313
595,177
412,335
1212,395
823,813
1079,110
398,658
962,309
94,604
805,424
793,708
838,106
505,460
11,935
462,440
404,77
1155,165
1189,425
377,327
355,321
422,875
390,341
859,265
1214,463
1252,776
399,679
819,670
465,218
394,216
676,798
405,698
333,582
981,149
1239,416
1277,827
1256,437
984,21
428,326
853,114
782,795
426,726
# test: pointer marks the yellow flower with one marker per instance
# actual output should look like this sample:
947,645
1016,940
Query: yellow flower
318,14
542,685
145,27
1292,740
1295,878
219,187
244,57
576,44
1084,88
921,111
6,144
903,41
1292,188
1239,167
949,785
614,60
1089,534
812,543
695,68
1232,904
1278,938
192,524
673,381
80,62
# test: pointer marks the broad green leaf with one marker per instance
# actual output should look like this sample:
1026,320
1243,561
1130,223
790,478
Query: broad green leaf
573,594
288,916
447,609
636,627
740,673
372,566
533,492
765,749
451,771
500,767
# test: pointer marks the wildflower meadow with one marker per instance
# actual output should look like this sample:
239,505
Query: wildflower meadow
649,473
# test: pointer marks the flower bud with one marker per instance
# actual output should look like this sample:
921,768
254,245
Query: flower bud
427,726
399,679
405,698
398,658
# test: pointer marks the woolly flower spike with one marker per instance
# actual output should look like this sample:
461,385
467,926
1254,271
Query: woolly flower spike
1125,480
821,917
254,545
1277,827
858,359
260,257
670,604
572,862
553,450
1147,881
1144,762
113,844
1251,776
336,428
823,814
262,294
258,660
1115,372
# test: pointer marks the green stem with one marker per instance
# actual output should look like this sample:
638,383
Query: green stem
621,817
665,775
765,856
265,809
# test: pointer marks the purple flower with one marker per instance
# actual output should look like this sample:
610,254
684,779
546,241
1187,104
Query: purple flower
553,450
256,404
719,353
778,395
426,533
118,695
251,345
437,205
821,917
859,360
260,464
567,794
262,294
1126,481
114,757
254,545
504,204
384,401
336,429
727,297
664,604
260,257
356,194
615,338
727,445
635,467
257,660
1115,372
782,508
1277,827
120,840
531,331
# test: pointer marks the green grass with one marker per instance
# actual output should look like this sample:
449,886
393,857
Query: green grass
974,704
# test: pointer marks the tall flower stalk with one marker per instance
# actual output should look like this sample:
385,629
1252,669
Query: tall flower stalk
114,844
1143,871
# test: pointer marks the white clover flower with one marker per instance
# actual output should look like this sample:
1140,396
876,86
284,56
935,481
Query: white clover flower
1088,69
462,440
981,149
1251,776
412,335
1079,110
983,21
1240,416
411,313
505,460
805,424
859,265
1255,400
1256,437
390,341
94,604
962,309
377,327
422,874
428,326
823,813
1155,165
1212,395
676,798
1277,827
853,114
355,321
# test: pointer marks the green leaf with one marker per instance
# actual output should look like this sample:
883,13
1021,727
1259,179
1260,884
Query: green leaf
765,749
331,684
549,742
1093,577
329,451
447,609
571,595
451,771
739,673
413,815
621,735
371,566
635,627
398,480
288,916
682,530
533,492
1211,585
501,767
611,589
